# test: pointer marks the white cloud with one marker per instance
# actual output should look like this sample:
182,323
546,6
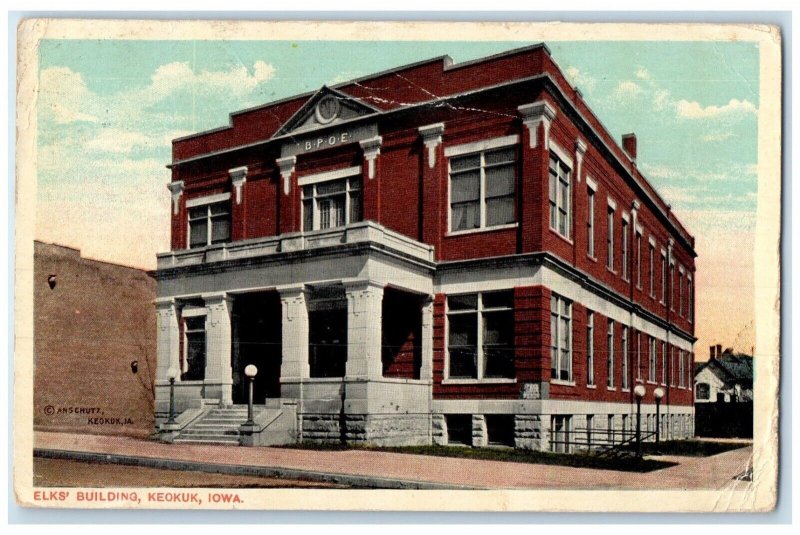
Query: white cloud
694,110
64,97
175,76
627,90
643,73
580,79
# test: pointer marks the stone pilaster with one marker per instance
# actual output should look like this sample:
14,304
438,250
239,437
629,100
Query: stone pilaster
168,336
426,366
364,318
219,376
294,329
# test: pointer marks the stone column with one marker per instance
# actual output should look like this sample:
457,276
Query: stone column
364,319
219,376
294,329
168,338
426,366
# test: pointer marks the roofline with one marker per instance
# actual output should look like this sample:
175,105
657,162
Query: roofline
447,61
626,165
89,258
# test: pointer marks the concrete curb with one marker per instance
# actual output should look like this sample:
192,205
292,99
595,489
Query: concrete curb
360,481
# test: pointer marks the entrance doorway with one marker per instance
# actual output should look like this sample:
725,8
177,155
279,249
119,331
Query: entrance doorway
256,323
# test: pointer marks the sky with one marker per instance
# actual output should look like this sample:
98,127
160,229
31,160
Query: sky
108,109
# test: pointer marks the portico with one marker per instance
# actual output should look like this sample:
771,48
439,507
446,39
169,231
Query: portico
314,325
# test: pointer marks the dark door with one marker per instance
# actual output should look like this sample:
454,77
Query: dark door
257,341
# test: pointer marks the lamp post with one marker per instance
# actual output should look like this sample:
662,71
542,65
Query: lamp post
658,393
172,374
250,371
639,393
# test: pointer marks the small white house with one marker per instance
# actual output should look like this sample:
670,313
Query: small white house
725,377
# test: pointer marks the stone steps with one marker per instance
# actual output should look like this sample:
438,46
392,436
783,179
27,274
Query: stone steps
217,426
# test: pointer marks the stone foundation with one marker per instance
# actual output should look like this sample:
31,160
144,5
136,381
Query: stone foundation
532,432
373,429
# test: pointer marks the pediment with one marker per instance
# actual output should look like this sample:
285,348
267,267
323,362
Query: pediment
326,107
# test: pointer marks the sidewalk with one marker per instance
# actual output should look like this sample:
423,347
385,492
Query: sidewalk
397,470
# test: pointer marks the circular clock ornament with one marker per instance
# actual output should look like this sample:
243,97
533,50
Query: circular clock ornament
327,109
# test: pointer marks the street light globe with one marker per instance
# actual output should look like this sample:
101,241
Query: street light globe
250,371
658,393
639,391
172,373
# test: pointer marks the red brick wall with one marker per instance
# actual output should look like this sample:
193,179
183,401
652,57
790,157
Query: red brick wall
87,330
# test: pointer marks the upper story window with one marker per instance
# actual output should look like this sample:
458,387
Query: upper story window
482,189
332,203
689,295
560,338
624,249
590,348
638,258
663,276
610,262
653,358
209,220
560,212
481,335
652,269
590,223
663,363
680,292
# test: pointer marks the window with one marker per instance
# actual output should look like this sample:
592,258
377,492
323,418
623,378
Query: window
689,300
610,380
590,223
209,223
638,356
559,196
482,189
560,338
610,428
459,429
560,433
327,331
610,263
671,366
481,335
680,292
672,287
639,260
663,277
500,429
331,204
589,429
590,349
652,270
625,357
651,372
194,348
663,363
702,391
681,376
624,249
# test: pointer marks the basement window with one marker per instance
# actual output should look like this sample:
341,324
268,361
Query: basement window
459,429
500,429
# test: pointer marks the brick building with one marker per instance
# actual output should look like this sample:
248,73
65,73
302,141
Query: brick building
446,253
93,321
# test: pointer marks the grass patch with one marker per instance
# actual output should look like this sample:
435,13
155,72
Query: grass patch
690,448
576,460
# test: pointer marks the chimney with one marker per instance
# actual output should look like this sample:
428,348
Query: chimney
712,351
629,145
719,350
